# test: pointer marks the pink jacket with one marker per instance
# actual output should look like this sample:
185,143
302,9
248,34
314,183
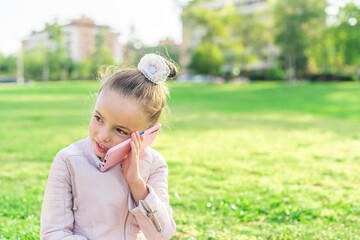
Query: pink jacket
81,202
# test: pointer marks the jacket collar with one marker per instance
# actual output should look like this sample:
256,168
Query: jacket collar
91,151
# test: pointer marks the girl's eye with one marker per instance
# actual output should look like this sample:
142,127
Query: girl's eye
121,131
98,119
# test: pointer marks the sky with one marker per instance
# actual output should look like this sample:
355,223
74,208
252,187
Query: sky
153,20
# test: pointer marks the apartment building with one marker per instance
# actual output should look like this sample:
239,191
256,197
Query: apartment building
80,38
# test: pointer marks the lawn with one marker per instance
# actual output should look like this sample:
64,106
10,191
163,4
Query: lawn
259,161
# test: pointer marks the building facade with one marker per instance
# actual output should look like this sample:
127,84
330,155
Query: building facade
80,38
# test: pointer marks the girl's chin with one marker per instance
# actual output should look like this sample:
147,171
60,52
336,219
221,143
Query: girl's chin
100,156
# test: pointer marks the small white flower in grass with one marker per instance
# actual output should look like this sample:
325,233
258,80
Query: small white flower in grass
154,68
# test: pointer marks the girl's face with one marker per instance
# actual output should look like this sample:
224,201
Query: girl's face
115,118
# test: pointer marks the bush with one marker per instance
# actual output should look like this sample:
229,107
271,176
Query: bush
265,74
328,77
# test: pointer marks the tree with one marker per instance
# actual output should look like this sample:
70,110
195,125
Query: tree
336,50
241,38
348,39
57,60
207,59
7,65
101,55
34,63
89,67
211,28
295,22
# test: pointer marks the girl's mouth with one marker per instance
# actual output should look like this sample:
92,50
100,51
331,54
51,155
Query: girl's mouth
101,148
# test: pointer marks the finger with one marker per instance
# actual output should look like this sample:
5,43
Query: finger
134,138
133,148
136,141
139,140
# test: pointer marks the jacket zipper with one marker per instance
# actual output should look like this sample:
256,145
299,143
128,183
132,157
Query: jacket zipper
126,218
151,215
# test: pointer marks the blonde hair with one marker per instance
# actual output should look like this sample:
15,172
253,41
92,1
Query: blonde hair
133,83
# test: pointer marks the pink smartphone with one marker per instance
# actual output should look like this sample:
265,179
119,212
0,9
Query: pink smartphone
119,152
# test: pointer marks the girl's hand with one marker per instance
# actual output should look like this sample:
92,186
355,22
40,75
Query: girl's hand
130,165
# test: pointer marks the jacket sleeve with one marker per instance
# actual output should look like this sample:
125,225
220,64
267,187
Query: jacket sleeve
154,214
57,217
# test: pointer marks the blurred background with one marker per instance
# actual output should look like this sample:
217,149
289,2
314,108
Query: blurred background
262,140
232,40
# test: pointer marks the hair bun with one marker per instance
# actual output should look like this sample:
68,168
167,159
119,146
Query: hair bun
173,69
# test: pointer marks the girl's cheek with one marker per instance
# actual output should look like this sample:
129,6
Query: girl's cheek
120,139
92,127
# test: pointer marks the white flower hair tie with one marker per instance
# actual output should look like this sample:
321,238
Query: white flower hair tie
154,68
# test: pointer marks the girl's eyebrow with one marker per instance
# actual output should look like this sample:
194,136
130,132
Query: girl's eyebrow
98,113
117,126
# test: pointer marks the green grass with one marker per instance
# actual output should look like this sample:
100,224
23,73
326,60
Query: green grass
258,161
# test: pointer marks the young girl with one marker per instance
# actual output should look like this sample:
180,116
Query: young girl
129,200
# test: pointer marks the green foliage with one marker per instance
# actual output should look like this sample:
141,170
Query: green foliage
101,55
34,63
336,49
54,63
257,161
208,56
295,23
57,60
241,38
207,59
276,74
7,65
297,30
347,40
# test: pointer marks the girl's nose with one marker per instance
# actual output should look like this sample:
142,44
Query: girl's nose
104,135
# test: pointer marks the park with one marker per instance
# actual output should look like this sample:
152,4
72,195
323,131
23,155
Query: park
266,160
261,133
